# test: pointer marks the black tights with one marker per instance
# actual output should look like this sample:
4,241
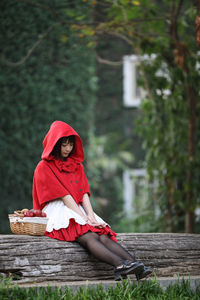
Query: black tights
105,249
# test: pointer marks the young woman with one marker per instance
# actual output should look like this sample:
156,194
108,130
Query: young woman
60,188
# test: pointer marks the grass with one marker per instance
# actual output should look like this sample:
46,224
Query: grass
125,290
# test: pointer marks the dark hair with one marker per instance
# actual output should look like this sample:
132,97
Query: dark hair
57,148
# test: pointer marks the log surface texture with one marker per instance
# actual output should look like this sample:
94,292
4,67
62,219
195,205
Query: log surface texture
39,259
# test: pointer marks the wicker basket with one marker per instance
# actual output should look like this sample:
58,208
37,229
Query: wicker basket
27,225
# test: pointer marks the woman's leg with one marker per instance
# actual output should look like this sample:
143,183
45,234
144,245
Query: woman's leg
92,242
116,248
124,254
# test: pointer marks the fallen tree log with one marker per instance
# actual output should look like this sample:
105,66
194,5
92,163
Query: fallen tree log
39,259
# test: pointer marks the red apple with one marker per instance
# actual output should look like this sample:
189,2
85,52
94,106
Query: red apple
37,212
31,214
27,213
44,214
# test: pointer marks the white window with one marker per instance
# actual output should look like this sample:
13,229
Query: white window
132,94
137,192
132,181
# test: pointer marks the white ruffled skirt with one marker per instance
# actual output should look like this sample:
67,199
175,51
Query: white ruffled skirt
65,224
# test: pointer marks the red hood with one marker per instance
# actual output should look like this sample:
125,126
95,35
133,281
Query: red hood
58,130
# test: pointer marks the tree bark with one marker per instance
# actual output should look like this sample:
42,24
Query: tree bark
197,24
190,201
170,203
180,53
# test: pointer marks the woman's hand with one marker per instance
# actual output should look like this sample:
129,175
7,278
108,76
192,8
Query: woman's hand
93,222
90,213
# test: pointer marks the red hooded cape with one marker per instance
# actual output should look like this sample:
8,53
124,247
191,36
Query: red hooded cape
54,178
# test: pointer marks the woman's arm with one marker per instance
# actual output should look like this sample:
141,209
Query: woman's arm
87,206
70,203
89,210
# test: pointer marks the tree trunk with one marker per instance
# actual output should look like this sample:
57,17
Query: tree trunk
170,205
190,201
29,259
180,55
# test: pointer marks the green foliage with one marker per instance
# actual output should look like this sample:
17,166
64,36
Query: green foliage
105,168
125,290
114,135
168,122
165,127
146,221
57,82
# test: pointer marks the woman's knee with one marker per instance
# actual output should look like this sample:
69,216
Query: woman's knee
94,235
104,239
86,238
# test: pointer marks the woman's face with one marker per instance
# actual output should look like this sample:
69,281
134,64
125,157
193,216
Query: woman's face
66,149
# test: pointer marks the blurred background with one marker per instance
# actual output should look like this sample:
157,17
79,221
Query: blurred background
125,75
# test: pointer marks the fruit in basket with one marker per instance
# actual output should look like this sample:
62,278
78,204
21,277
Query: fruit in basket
34,213
28,214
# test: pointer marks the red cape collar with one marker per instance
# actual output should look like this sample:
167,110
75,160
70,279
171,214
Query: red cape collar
70,165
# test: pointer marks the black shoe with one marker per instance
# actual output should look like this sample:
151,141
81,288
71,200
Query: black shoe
128,267
144,273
